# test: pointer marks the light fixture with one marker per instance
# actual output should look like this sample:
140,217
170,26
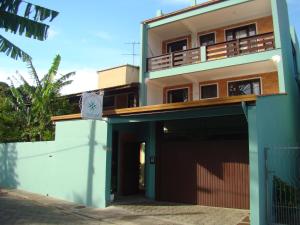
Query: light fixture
166,130
276,59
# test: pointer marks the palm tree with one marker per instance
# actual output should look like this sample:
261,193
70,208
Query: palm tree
26,19
35,104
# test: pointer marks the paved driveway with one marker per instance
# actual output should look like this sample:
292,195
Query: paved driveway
21,208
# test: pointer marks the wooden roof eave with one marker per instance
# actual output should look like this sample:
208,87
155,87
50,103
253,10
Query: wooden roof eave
166,107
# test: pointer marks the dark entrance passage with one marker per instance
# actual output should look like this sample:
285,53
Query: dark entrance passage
128,161
204,162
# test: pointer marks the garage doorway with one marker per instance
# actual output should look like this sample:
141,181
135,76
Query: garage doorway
204,161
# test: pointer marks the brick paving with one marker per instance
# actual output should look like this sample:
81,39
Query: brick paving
22,208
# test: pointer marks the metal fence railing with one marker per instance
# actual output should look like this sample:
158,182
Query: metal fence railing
283,186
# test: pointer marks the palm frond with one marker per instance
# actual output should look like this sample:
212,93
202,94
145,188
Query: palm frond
39,13
10,5
12,50
33,73
23,26
65,77
49,77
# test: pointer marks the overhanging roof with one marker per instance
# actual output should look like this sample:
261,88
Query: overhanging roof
157,110
204,4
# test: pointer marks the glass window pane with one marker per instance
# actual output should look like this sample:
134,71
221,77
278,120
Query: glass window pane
241,32
132,100
207,39
209,91
256,88
109,101
252,30
178,95
247,87
177,46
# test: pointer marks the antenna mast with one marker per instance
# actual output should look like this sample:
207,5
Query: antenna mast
133,54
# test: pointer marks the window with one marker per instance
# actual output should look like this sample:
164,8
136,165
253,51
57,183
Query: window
207,39
209,91
177,46
109,101
132,101
178,95
245,87
241,32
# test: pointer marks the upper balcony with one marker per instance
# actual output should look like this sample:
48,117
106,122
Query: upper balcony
242,29
237,47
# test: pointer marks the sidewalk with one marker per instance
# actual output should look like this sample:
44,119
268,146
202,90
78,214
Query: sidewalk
18,207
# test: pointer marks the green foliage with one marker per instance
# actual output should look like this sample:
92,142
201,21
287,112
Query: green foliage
285,194
29,22
27,109
8,117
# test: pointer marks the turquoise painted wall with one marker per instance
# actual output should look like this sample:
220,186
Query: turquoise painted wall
73,167
274,121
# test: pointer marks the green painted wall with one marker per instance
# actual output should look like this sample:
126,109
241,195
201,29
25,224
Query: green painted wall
143,65
274,122
150,152
73,167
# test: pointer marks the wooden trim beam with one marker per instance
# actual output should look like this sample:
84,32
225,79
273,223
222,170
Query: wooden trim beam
166,107
180,106
66,117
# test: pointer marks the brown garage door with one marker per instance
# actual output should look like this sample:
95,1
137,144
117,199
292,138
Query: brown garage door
211,173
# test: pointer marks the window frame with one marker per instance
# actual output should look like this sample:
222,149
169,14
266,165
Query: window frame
208,84
239,26
165,43
200,35
110,107
246,79
187,86
172,42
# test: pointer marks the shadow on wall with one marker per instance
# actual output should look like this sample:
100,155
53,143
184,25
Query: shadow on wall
8,158
88,198
90,175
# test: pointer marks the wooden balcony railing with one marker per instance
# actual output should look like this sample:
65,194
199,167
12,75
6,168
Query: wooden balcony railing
253,44
174,59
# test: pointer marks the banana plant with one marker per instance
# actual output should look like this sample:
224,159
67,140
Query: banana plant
36,103
25,19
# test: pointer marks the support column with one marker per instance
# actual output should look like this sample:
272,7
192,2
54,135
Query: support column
143,64
257,170
150,164
108,163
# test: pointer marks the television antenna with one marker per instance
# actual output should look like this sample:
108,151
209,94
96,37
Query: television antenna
134,44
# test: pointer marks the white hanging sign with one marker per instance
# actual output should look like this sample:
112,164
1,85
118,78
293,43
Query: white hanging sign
92,106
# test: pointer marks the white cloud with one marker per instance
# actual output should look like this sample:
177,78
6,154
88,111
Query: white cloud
4,74
52,33
11,73
84,80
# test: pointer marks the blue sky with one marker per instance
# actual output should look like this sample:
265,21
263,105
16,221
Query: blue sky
90,35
